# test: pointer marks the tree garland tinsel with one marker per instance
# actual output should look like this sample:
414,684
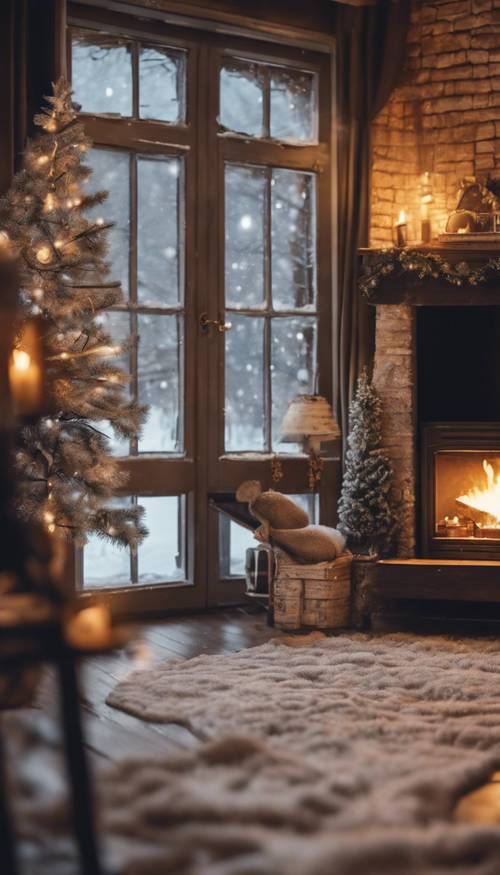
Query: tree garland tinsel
425,265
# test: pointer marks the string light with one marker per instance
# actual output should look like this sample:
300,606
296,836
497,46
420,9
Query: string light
37,294
42,159
96,350
44,254
4,239
50,203
100,221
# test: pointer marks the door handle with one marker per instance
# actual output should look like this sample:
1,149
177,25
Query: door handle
219,323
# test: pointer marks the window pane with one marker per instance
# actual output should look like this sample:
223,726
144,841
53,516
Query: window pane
105,563
293,357
158,253
161,84
118,326
242,98
244,208
110,172
244,409
160,555
159,366
102,74
293,105
293,240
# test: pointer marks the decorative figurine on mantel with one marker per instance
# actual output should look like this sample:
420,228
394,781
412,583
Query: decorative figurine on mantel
476,219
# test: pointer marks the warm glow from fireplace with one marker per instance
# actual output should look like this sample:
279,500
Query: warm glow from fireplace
485,497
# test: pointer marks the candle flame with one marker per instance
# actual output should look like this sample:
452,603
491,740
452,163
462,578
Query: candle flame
21,359
402,218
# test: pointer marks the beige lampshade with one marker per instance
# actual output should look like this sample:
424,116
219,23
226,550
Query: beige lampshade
309,418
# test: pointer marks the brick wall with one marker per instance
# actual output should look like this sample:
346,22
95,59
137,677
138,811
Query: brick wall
444,119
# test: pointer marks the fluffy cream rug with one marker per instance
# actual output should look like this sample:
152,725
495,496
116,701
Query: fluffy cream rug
343,757
340,758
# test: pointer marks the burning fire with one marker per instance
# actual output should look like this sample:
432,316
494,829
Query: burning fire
485,499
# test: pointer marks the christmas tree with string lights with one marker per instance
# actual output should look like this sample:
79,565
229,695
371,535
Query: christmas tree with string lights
67,476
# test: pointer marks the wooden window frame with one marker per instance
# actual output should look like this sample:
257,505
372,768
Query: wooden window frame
202,147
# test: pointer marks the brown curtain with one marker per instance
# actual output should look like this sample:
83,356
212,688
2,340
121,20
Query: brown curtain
30,50
369,58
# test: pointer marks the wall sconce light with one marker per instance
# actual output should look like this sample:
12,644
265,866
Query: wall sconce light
309,420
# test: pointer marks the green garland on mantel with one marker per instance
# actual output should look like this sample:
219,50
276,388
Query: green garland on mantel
425,265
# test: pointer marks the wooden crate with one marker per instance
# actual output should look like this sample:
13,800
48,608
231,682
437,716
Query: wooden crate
317,596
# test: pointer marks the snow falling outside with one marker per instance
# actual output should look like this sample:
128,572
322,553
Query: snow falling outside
270,268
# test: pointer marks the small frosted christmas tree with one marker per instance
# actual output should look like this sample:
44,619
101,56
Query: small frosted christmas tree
65,471
365,514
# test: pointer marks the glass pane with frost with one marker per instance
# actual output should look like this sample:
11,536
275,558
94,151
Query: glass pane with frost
160,356
160,556
294,112
101,69
159,238
110,172
162,74
117,325
242,97
293,365
293,251
244,382
245,201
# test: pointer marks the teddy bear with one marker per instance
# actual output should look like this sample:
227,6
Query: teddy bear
284,524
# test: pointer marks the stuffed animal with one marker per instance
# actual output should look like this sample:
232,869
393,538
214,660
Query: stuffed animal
285,524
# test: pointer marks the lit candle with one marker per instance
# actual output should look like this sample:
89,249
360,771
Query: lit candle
401,230
425,199
89,629
26,373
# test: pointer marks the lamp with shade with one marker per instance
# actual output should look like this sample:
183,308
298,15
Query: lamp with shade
309,420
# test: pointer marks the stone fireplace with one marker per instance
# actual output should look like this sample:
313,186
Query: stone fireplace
437,371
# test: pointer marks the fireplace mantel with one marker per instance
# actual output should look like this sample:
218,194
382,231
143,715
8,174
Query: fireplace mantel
402,287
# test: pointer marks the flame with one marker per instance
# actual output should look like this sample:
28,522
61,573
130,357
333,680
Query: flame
487,498
402,218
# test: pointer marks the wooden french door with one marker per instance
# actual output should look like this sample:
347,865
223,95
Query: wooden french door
216,153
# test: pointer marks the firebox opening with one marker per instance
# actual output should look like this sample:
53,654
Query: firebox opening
467,494
458,364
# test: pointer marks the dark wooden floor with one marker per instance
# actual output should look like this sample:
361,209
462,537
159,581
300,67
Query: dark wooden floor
112,734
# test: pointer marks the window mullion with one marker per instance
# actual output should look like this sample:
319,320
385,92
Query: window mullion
135,79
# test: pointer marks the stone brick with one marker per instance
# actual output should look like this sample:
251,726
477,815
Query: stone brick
484,41
446,43
478,57
485,132
471,22
481,5
464,72
450,59
454,10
